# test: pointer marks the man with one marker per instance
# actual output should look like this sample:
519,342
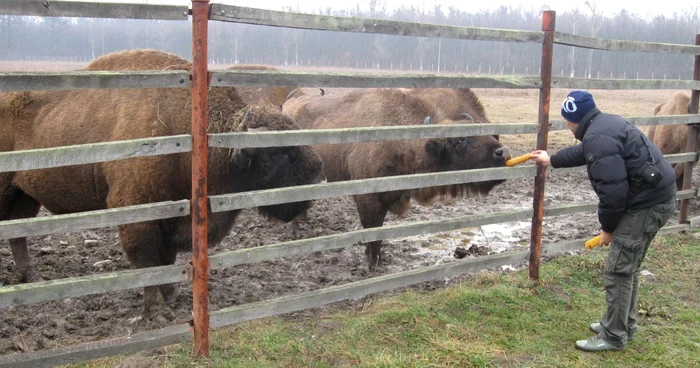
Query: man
637,195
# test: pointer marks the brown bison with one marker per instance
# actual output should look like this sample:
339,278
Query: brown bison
672,138
57,118
378,159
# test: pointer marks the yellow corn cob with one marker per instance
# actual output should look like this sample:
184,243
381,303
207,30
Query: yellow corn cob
593,242
518,160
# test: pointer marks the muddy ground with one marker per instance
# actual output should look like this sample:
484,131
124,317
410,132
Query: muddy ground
66,322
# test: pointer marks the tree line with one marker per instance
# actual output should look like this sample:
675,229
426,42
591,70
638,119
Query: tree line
27,38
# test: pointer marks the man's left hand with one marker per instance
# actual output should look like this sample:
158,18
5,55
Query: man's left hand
605,237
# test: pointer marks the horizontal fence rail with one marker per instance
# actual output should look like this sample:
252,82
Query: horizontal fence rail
43,158
236,14
93,219
128,279
269,78
671,158
623,45
72,287
51,81
335,241
363,134
617,84
643,121
229,202
388,133
60,8
104,348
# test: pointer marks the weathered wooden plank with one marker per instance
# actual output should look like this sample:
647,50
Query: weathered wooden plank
672,158
363,134
92,350
687,194
616,84
23,294
93,219
623,45
643,121
228,13
569,208
228,202
326,79
694,222
91,153
664,120
335,241
61,8
359,289
673,229
34,81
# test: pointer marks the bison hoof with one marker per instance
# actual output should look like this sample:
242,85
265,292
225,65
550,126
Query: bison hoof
374,260
28,276
168,292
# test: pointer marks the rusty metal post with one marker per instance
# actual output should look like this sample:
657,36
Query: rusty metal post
548,24
200,148
691,145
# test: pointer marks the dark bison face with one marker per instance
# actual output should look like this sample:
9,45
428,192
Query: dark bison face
276,167
467,153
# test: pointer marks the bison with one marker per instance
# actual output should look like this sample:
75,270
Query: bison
44,119
672,138
352,161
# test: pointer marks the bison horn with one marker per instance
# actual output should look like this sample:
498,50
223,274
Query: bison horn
291,94
467,116
427,120
323,93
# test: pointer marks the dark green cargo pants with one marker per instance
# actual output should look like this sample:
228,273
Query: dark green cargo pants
631,239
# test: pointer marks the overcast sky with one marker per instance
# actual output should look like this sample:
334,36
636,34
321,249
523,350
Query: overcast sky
609,7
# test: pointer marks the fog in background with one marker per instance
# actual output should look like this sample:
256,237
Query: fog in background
82,39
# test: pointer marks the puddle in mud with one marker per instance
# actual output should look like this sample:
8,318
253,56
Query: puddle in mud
438,248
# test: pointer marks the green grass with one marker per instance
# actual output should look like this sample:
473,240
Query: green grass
492,320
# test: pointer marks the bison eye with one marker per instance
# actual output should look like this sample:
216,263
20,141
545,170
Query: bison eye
461,145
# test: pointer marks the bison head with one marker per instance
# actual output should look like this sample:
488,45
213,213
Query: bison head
466,153
275,167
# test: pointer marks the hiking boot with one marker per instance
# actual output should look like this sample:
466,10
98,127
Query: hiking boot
596,328
595,344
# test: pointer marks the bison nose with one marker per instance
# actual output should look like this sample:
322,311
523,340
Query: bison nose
500,154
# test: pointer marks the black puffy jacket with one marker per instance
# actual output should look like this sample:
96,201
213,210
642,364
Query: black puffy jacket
624,167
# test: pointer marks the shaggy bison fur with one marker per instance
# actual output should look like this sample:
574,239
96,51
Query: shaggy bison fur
352,161
44,119
672,138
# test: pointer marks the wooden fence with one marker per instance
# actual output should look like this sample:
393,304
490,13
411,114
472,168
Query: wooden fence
198,143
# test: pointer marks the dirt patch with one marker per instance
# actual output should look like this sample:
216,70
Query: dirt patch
74,320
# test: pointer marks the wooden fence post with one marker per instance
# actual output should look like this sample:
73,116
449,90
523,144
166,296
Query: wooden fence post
691,145
200,147
548,26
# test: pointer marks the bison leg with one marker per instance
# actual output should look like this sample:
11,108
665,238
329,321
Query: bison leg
144,247
372,213
18,205
293,230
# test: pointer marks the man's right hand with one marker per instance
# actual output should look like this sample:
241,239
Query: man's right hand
541,157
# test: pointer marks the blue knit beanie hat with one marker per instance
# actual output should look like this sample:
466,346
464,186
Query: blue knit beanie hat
576,105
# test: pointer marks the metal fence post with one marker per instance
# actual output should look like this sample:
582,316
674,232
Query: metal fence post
200,259
691,145
548,25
